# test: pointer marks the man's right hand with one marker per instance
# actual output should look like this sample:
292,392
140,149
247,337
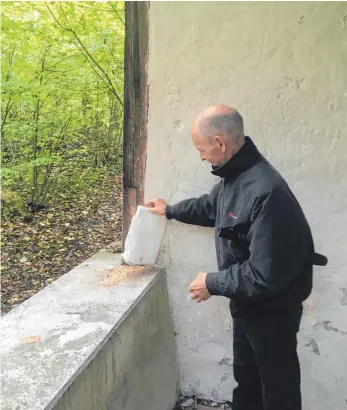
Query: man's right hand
157,206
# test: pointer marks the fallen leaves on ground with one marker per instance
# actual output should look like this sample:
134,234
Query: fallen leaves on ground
56,240
31,339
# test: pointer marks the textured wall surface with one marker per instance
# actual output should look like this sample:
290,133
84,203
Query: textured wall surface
283,65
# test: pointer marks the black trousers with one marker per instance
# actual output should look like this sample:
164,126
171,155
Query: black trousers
266,365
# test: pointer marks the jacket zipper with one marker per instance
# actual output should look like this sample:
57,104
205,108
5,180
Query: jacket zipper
221,206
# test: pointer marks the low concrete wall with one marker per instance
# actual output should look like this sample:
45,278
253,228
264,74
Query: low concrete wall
107,348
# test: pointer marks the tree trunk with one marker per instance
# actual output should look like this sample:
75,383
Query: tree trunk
135,108
35,139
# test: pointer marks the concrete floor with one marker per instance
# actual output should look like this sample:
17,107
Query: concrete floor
192,403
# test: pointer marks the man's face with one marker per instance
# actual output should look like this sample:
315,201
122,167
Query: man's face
210,149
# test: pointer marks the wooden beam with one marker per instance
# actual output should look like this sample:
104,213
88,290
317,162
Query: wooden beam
135,108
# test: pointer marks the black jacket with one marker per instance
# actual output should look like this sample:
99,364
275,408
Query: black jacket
264,245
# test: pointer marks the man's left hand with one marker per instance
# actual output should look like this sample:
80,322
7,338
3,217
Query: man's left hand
198,289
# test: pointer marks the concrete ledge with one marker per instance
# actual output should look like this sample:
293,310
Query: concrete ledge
100,346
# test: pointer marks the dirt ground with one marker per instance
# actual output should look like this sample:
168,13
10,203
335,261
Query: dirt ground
36,252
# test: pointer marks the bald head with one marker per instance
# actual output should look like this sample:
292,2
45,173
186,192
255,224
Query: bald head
218,133
219,120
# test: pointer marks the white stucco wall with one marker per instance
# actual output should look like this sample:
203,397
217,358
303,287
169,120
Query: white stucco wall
284,66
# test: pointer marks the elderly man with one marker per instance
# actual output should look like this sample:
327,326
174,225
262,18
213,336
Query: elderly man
265,256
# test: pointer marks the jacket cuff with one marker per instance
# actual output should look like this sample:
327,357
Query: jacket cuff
213,283
169,212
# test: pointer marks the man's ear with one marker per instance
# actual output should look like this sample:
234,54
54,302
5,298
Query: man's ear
220,141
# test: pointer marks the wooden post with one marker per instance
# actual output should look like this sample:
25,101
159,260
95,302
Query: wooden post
135,108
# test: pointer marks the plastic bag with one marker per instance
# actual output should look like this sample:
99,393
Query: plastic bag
144,238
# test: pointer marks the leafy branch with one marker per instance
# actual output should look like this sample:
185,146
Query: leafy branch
98,69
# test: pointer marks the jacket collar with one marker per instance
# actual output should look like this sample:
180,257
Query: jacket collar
240,162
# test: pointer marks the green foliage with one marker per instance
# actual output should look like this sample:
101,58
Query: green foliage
12,205
62,92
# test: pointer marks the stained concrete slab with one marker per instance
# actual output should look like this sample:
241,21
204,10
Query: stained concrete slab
75,317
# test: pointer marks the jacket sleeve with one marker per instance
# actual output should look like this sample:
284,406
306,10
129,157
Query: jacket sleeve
196,211
278,245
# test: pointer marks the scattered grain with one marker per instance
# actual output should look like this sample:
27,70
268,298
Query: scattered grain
123,273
